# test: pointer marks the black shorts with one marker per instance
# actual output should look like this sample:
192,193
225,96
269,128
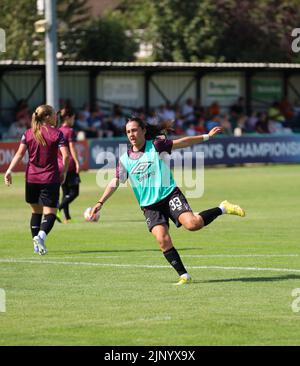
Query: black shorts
170,208
72,179
42,194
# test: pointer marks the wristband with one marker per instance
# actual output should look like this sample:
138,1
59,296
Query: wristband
205,137
8,171
100,202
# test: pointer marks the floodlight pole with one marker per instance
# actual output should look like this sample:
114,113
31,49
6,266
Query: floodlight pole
50,55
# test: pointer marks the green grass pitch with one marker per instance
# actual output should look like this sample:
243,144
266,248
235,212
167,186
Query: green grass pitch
107,283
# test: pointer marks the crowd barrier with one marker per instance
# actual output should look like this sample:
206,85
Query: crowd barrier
95,154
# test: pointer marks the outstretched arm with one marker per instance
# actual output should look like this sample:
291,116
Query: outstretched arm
109,190
192,140
16,159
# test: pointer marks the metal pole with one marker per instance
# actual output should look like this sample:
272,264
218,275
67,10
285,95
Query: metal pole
50,55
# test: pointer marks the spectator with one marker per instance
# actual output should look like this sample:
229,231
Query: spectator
190,131
226,125
275,114
213,110
262,124
213,122
188,112
152,119
86,111
238,108
252,121
179,122
286,108
118,121
23,112
16,129
82,125
240,126
200,126
95,123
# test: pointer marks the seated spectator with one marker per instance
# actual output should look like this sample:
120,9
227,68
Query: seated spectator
190,131
16,129
152,118
213,110
213,122
200,126
286,108
140,113
275,114
178,123
238,107
240,126
225,124
251,121
83,125
95,123
188,112
167,113
23,112
86,111
118,121
262,124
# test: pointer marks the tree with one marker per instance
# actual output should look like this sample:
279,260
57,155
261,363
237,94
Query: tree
78,37
17,20
218,30
106,40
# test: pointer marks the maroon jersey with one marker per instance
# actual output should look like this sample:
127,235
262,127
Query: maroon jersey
42,167
161,145
69,135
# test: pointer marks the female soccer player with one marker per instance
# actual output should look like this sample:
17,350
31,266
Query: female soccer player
70,187
42,141
161,202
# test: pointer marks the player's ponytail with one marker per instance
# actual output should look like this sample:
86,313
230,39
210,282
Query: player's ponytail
38,118
153,131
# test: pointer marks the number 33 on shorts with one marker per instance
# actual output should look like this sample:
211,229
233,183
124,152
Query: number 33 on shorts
175,204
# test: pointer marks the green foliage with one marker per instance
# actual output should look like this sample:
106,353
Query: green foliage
78,37
218,30
17,18
106,40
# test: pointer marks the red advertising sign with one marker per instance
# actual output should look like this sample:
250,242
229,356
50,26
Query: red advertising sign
8,150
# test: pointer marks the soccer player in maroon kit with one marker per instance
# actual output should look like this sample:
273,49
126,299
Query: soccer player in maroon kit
43,179
70,187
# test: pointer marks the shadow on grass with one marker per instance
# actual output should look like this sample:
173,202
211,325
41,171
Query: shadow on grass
254,279
115,251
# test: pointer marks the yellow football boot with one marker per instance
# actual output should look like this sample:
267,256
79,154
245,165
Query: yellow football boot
232,209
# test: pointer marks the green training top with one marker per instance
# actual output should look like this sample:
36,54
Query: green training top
151,179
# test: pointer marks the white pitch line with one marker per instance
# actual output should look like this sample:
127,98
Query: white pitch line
238,255
42,261
182,255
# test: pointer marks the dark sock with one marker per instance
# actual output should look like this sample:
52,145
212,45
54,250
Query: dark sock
48,222
67,199
209,215
35,223
66,212
173,258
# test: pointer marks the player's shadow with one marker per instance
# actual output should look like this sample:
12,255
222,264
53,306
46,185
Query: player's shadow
119,251
255,279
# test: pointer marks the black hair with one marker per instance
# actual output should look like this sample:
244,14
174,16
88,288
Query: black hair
64,114
153,131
